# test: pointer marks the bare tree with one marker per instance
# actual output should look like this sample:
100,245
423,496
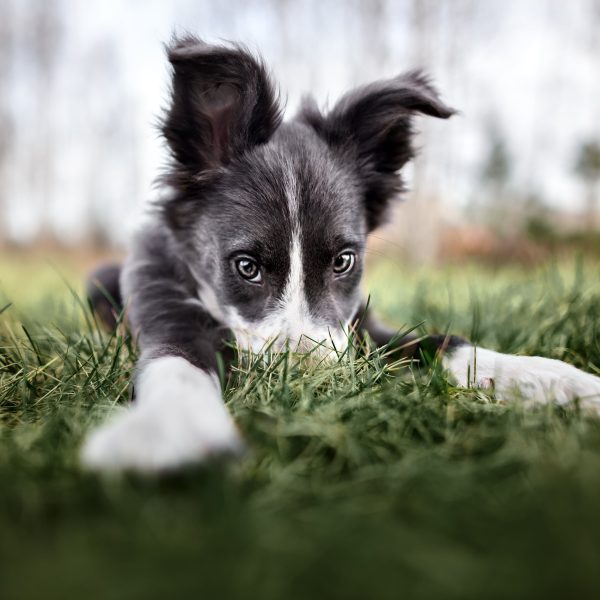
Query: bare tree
421,212
43,44
6,116
496,170
587,166
111,180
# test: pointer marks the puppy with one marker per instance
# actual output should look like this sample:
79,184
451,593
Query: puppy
262,240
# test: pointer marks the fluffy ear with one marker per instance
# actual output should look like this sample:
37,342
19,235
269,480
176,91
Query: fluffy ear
373,127
223,103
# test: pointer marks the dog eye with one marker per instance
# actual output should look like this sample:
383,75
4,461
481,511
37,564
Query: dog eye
248,269
343,263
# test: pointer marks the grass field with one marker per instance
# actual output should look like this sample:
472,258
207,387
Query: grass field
364,480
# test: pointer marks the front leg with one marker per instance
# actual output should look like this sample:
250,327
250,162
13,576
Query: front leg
532,378
178,416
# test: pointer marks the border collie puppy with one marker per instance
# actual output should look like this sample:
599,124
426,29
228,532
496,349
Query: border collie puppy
262,240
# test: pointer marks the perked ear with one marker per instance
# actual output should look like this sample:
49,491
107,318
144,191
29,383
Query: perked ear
373,126
223,103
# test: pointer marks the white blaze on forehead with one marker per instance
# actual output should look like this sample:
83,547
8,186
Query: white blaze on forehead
294,313
292,319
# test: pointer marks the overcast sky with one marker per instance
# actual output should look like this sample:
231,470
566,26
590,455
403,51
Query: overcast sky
83,147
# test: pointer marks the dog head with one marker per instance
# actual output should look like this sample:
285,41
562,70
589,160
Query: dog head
273,217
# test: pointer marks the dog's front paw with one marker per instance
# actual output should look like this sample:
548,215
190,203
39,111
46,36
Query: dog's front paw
532,378
549,382
157,438
178,419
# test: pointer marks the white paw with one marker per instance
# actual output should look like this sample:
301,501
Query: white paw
533,378
165,429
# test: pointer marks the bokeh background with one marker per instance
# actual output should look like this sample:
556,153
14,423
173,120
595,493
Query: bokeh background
513,177
364,480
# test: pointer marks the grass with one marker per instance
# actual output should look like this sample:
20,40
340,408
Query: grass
364,480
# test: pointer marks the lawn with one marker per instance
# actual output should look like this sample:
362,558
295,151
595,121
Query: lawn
364,479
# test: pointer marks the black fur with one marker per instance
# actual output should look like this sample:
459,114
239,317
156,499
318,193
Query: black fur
372,127
222,104
104,294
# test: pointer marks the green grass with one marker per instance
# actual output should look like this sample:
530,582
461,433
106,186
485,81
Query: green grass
364,480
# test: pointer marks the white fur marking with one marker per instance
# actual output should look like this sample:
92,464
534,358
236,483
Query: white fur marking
210,302
534,378
294,314
178,418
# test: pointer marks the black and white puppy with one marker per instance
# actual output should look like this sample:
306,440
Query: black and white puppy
262,240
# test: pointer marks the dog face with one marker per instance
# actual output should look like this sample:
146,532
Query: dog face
273,217
286,229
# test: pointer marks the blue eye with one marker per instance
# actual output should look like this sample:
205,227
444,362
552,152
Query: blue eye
248,269
344,263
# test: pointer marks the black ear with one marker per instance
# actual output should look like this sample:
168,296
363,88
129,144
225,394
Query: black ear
373,126
223,103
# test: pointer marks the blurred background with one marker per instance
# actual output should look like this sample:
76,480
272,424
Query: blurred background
514,177
358,485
